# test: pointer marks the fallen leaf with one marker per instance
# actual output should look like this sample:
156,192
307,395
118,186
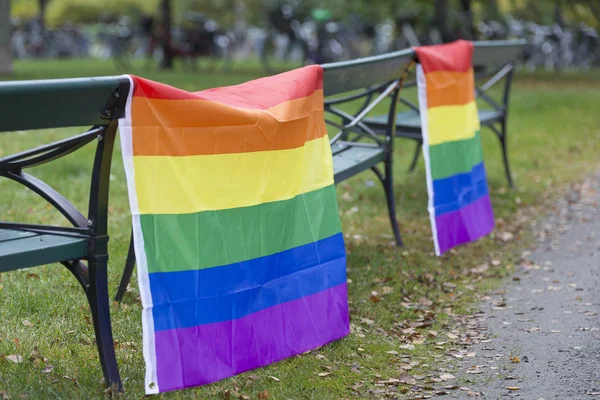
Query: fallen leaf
391,381
16,358
48,369
375,299
27,323
3,395
408,346
31,275
513,387
506,236
264,395
392,352
446,377
322,374
433,333
495,262
274,378
452,335
424,301
514,359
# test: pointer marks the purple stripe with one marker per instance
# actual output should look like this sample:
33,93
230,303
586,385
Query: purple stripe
465,225
207,353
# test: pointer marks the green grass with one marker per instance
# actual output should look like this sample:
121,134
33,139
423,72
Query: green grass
554,139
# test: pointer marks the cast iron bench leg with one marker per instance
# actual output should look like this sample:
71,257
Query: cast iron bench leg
127,272
503,142
97,295
388,184
413,163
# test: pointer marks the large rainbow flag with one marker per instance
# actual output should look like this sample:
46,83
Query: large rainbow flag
241,259
459,205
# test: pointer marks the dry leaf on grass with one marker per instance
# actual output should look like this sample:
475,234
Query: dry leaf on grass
323,374
264,395
446,377
274,378
16,358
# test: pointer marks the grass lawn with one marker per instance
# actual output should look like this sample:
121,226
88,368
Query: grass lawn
397,296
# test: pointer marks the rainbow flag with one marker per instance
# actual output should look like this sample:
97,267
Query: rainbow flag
241,259
459,204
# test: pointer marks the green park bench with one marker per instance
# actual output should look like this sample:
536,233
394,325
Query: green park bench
493,62
95,102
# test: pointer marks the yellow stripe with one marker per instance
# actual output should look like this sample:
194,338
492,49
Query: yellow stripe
451,123
179,185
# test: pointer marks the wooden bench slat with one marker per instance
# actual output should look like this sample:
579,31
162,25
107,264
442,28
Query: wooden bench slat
354,159
20,249
409,121
56,103
343,77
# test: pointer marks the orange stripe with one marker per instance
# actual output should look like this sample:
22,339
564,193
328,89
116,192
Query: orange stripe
201,127
445,88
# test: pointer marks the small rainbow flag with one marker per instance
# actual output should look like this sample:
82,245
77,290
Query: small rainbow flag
241,259
459,204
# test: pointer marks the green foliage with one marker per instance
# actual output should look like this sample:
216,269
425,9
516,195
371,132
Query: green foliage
24,9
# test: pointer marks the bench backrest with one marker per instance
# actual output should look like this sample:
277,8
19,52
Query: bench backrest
363,84
365,72
500,52
60,102
96,103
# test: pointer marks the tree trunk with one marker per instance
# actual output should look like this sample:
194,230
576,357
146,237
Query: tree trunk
492,11
440,18
165,14
42,8
5,34
558,15
469,28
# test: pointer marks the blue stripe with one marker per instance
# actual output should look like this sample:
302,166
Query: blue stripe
456,191
189,298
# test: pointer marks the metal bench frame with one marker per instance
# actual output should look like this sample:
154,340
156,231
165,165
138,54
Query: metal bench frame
87,238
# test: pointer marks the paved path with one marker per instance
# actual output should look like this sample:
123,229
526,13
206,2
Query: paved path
548,315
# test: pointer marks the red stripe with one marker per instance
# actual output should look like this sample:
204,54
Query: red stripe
454,57
261,93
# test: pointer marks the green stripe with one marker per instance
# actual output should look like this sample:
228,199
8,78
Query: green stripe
178,242
457,157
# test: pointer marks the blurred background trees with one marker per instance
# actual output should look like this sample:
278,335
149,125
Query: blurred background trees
224,11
